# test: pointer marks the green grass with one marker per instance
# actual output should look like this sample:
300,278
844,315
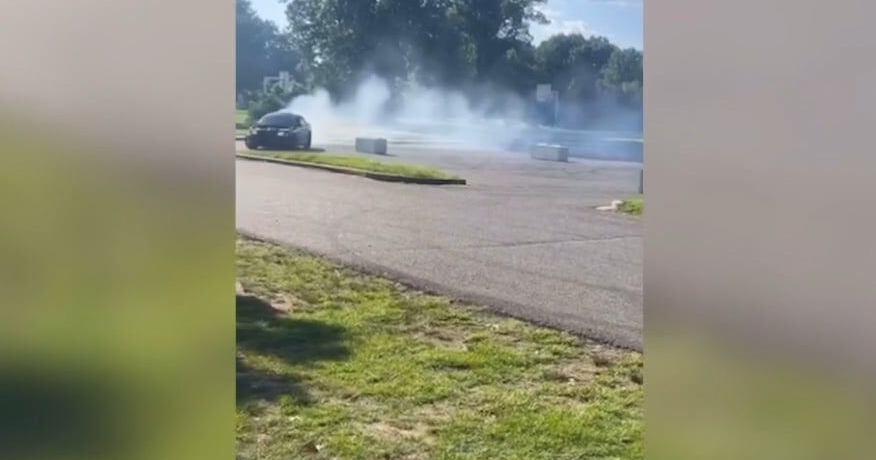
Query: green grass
241,120
336,364
356,162
241,116
632,206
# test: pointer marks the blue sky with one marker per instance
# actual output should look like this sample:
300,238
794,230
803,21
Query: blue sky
619,20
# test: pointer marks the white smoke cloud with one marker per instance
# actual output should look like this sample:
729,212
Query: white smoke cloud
442,118
422,113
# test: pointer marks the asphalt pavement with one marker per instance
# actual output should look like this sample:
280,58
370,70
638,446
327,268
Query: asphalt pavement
523,237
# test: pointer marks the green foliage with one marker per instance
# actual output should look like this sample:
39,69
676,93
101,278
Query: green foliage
584,69
623,75
573,63
624,65
442,42
633,206
479,47
271,101
261,50
241,119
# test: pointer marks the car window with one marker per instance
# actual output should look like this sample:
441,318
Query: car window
280,119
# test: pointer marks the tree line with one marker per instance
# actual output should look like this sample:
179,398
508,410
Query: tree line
479,47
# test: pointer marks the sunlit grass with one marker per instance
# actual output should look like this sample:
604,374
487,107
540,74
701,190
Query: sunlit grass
241,120
336,364
634,206
355,162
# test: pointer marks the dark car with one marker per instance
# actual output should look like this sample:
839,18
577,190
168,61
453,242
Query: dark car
279,130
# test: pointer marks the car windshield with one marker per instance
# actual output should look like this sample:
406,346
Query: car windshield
279,119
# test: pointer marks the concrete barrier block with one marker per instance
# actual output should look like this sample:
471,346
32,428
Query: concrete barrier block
371,145
550,152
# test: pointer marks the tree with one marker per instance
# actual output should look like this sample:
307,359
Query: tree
516,69
623,76
480,47
332,36
448,42
261,50
495,28
273,100
623,66
573,64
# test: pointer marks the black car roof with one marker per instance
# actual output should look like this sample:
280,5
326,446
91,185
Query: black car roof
283,112
281,117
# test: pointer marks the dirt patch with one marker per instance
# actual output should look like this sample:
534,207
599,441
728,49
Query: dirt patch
446,338
605,357
285,302
433,413
442,337
390,431
577,371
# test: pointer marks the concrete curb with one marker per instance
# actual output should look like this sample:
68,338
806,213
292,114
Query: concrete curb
357,172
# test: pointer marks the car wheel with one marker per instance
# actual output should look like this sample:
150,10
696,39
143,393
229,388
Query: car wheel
307,142
250,143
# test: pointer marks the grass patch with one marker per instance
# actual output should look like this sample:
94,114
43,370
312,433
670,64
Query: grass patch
632,206
241,120
332,363
356,162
